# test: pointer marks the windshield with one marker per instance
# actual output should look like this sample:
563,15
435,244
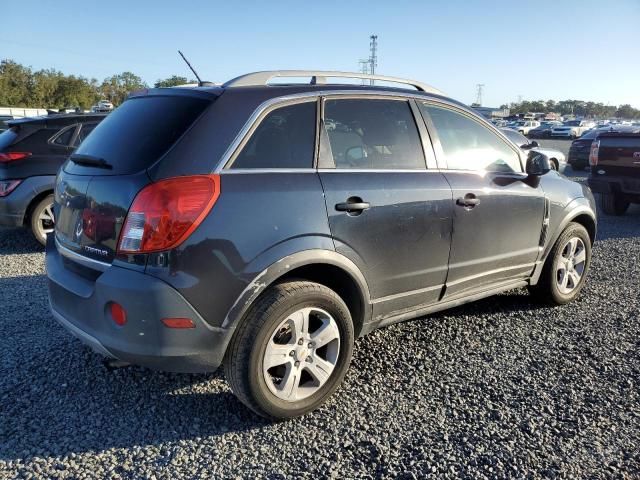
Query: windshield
572,123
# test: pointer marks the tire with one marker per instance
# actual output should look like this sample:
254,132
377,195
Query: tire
554,164
549,288
265,327
41,219
613,204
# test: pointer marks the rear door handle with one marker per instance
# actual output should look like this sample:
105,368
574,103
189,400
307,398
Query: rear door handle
469,200
352,207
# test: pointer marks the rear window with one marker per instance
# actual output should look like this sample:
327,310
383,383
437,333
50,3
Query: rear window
138,133
7,137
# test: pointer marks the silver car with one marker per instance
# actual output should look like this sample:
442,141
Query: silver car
556,157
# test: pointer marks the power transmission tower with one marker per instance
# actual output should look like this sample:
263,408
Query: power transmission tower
364,68
373,55
479,88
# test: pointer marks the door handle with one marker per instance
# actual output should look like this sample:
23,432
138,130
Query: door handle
352,207
469,201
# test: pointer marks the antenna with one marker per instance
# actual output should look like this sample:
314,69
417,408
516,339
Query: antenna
479,87
200,83
373,55
364,68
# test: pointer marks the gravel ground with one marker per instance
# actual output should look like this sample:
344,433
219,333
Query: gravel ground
501,388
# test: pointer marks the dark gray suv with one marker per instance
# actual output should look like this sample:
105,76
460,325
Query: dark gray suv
266,226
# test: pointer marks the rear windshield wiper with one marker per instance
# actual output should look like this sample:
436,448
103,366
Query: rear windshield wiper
89,160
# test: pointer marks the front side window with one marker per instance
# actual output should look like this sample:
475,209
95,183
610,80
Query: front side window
285,138
468,145
373,134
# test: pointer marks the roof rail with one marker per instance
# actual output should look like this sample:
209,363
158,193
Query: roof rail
320,78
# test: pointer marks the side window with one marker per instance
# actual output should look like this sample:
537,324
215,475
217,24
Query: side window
64,139
85,130
468,145
370,133
284,139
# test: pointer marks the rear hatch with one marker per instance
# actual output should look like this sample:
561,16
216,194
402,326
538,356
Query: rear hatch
619,154
99,182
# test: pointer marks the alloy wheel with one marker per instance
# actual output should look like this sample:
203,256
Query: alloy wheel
301,354
570,266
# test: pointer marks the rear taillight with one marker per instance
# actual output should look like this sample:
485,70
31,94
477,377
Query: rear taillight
165,213
13,156
8,186
593,154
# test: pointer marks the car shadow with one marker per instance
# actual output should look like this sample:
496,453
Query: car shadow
18,240
59,398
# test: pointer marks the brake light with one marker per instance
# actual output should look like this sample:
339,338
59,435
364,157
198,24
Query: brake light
13,156
165,213
8,186
593,154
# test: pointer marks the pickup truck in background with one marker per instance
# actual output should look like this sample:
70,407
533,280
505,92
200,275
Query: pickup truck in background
615,170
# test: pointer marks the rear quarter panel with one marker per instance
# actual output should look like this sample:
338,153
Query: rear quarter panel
259,219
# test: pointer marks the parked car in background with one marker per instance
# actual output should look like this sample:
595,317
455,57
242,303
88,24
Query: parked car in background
525,126
581,147
31,152
571,129
265,227
103,106
544,130
615,169
556,157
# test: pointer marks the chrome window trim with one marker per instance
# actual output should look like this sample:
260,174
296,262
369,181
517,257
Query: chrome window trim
52,140
239,171
81,259
274,102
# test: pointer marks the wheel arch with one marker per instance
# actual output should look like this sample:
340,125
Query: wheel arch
328,268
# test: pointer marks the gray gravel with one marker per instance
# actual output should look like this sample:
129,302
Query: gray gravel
501,388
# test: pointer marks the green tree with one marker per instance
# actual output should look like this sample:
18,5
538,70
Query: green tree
172,81
15,84
117,87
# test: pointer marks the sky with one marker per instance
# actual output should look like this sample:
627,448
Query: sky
560,49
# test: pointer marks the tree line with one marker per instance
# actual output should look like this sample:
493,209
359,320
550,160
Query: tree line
578,108
21,86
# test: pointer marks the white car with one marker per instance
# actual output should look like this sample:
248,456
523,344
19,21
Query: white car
556,157
103,106
523,126
572,129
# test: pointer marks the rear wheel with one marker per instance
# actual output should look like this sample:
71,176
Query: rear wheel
554,164
613,204
41,219
566,267
291,351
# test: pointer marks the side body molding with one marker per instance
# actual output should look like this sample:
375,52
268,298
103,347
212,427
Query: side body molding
289,263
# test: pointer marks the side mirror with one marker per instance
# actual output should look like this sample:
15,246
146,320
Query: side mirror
537,164
534,144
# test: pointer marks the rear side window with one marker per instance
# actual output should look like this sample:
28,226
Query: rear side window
64,137
468,145
284,139
85,130
373,134
8,137
138,133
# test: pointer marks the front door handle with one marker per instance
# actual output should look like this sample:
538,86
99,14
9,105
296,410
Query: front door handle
469,201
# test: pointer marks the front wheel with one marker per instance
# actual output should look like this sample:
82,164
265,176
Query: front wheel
291,351
613,204
42,220
566,267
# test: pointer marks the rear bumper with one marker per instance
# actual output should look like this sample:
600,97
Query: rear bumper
81,306
13,207
612,184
